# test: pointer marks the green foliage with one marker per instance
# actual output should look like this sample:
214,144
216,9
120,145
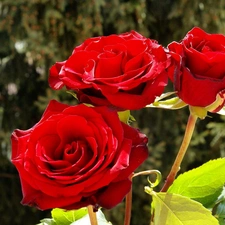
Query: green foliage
203,184
220,212
205,14
62,217
179,210
219,208
73,217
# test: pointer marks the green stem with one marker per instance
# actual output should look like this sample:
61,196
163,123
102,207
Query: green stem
128,206
92,215
183,148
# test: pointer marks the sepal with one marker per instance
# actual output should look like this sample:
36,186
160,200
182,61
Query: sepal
171,103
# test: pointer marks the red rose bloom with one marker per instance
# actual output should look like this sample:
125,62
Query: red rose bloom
125,71
76,156
200,76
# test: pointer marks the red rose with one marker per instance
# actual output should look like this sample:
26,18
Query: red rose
76,156
200,77
126,71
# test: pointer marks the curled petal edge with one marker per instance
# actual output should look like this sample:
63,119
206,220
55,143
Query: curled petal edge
218,105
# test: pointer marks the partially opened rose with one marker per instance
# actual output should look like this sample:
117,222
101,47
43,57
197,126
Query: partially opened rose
200,77
76,156
126,71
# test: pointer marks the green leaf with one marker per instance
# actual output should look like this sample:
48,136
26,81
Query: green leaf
203,184
62,217
220,213
219,208
173,209
86,221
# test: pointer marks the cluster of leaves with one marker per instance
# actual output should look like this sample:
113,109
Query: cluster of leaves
196,197
73,217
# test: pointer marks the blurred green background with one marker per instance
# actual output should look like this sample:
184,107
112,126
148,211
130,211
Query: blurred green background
34,34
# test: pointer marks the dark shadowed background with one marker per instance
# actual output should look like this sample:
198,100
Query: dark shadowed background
34,34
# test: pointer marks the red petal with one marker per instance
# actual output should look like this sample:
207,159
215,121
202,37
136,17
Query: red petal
114,194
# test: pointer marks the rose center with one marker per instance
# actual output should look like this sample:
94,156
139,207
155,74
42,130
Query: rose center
76,152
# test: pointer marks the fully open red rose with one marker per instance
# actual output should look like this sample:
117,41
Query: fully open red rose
76,156
126,71
200,76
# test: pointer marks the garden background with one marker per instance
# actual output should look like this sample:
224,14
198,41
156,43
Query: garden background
34,34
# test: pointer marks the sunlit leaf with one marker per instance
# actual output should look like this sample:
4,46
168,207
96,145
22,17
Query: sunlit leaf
173,209
62,217
203,184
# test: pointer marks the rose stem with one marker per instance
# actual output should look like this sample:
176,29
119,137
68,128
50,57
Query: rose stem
128,206
183,148
92,215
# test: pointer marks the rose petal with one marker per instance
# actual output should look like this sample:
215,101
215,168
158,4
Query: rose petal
109,197
109,65
54,80
199,98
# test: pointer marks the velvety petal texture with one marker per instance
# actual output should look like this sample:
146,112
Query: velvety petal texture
200,72
125,71
76,156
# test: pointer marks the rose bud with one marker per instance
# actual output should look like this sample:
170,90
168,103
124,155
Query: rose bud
199,78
